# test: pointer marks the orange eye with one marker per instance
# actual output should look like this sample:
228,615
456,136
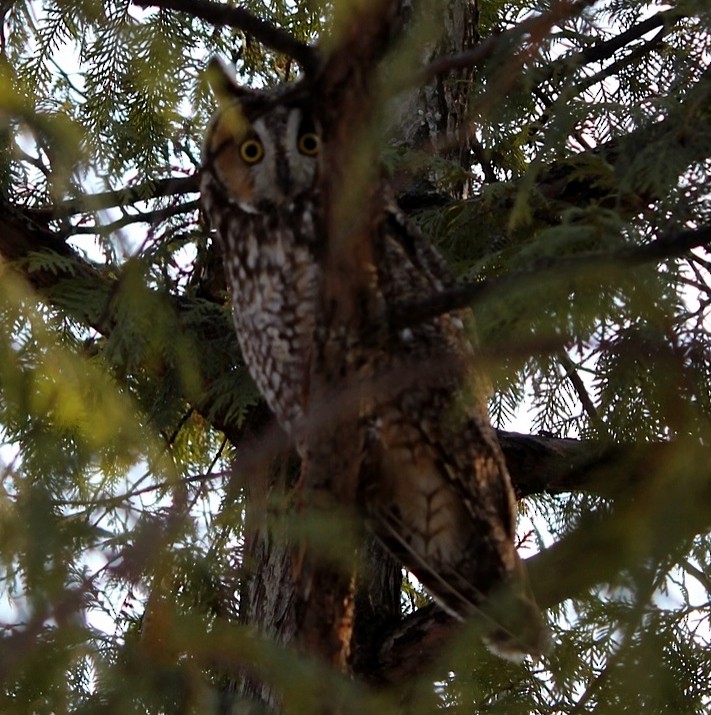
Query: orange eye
251,151
309,144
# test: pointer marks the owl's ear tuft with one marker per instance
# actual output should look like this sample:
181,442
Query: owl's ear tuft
223,83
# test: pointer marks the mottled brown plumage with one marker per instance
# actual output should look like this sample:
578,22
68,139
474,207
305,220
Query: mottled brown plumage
434,481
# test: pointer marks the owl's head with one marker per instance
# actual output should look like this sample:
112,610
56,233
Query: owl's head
261,147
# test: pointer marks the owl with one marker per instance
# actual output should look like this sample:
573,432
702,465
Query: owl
434,484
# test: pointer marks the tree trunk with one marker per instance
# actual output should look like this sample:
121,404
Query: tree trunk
434,118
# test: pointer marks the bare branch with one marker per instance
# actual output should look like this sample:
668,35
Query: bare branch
542,24
237,17
21,236
703,578
600,51
604,50
571,372
117,500
568,65
146,191
141,217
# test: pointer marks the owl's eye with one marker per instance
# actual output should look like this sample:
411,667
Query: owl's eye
251,151
308,144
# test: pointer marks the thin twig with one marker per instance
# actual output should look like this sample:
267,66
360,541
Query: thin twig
181,423
703,578
586,82
118,499
144,217
571,372
237,17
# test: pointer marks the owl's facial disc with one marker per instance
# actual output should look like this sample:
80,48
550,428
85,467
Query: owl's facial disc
268,161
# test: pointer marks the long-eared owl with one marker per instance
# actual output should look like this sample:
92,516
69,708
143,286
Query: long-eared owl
434,482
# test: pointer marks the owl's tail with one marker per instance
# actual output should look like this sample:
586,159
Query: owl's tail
512,624
515,626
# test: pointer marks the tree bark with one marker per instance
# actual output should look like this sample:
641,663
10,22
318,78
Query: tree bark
433,118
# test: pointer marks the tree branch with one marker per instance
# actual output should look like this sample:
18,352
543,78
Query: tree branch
269,35
598,265
535,27
571,372
703,578
563,181
142,217
542,24
119,197
568,65
605,49
552,465
21,236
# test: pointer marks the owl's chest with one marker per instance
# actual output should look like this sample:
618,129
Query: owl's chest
274,279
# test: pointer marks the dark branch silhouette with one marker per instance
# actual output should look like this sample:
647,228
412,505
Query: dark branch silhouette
152,217
605,49
173,186
593,266
218,14
595,53
532,29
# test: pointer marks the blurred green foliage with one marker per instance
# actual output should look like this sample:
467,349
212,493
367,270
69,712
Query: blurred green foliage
118,382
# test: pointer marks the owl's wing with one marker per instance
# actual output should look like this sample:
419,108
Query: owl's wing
423,258
437,489
439,499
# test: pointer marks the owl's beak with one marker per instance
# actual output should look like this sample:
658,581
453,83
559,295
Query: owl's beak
283,178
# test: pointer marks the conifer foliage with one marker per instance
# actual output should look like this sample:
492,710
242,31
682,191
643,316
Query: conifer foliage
559,153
